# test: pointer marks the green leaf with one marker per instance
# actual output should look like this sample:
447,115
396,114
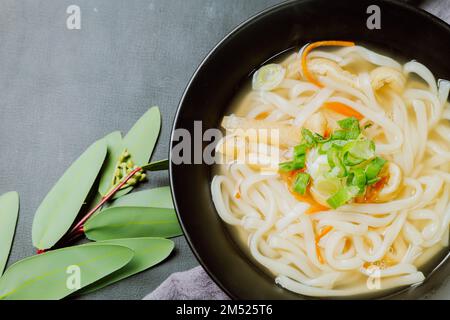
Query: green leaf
133,222
115,148
156,166
53,275
60,207
122,192
93,202
141,140
147,253
9,210
158,198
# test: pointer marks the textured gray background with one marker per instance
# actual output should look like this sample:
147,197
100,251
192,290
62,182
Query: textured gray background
62,89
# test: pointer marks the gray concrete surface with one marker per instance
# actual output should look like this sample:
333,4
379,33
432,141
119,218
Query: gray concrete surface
62,89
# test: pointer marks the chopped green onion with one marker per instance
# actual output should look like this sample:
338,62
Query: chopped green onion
339,143
342,196
357,178
353,134
286,166
332,156
325,147
339,135
296,164
326,186
351,129
348,123
268,77
356,152
299,159
351,161
299,162
374,168
363,149
320,139
300,150
335,163
308,137
301,182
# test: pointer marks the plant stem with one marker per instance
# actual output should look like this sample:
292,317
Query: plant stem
105,199
78,229
74,235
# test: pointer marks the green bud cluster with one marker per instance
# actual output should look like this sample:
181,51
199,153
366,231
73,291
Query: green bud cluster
123,168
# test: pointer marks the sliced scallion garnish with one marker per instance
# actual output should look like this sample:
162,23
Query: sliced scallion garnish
308,137
358,151
374,168
357,178
268,77
342,196
300,150
350,162
301,183
336,164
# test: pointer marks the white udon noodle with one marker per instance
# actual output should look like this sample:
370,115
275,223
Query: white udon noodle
411,129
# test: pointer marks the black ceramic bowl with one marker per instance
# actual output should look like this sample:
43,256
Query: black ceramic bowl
405,31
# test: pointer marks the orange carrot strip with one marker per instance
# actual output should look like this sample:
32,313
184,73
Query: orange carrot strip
324,233
311,47
314,206
262,115
320,236
319,255
343,109
327,132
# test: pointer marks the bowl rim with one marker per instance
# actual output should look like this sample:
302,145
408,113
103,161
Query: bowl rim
230,34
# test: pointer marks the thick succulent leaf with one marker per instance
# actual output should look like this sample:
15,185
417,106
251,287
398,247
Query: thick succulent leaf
133,222
9,211
157,198
147,253
115,147
57,274
60,207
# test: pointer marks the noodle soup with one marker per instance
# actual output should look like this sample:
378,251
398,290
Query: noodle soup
335,173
